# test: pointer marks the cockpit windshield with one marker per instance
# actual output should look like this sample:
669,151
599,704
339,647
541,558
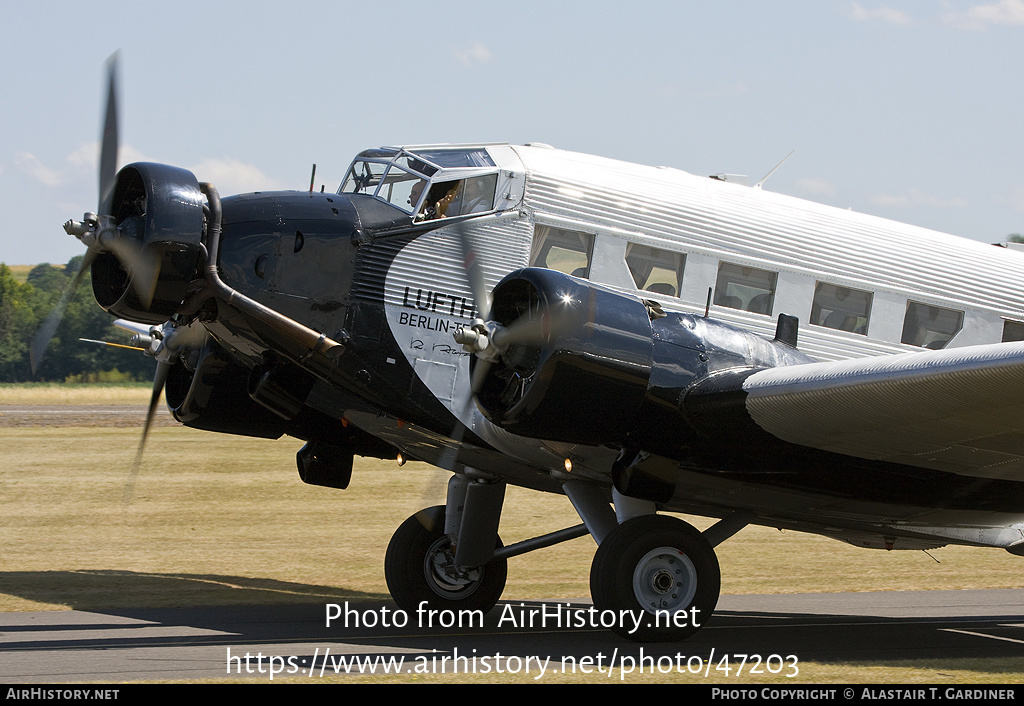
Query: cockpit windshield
427,183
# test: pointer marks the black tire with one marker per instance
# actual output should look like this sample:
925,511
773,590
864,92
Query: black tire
656,563
414,565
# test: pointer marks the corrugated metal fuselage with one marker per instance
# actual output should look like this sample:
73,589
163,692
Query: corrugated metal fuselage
397,295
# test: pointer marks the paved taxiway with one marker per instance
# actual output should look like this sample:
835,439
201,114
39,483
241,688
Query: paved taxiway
194,643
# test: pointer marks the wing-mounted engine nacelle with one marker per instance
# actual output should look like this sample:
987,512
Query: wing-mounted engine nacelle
575,359
571,361
146,263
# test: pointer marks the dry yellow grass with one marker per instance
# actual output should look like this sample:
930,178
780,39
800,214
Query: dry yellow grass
55,393
20,272
218,519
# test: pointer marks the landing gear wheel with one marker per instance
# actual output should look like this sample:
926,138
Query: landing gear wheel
663,572
419,566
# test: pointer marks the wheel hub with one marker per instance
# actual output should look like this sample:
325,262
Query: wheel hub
665,579
443,576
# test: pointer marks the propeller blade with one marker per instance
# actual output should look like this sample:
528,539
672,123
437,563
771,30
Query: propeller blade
44,335
474,272
162,369
480,369
529,330
109,141
142,266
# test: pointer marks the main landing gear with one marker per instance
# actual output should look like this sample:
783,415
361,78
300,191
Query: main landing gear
660,574
420,566
654,578
445,555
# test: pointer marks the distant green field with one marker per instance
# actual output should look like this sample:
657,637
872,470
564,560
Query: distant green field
20,272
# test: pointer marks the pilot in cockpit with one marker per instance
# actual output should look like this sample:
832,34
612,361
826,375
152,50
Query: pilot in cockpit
438,201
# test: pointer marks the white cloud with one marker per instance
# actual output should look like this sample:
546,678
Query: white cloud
231,176
980,17
884,14
87,156
31,165
915,198
816,186
475,54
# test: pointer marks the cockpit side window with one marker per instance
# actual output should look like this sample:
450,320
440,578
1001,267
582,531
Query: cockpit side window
567,251
401,188
474,195
436,183
460,197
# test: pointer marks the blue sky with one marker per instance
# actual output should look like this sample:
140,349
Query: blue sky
910,110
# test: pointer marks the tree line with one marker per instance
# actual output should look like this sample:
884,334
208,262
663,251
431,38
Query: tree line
24,306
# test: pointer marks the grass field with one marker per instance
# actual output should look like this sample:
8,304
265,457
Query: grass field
217,519
20,272
227,519
79,394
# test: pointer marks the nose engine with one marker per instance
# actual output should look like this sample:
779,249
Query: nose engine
150,246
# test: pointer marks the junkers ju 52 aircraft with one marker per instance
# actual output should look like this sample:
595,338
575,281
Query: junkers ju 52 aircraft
624,335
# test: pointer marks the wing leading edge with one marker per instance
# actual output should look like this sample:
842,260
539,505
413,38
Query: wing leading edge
958,410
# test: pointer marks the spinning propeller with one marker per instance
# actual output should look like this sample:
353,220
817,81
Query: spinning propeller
513,346
100,233
117,235
164,343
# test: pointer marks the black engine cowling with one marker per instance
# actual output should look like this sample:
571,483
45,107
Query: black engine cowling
588,365
158,210
581,371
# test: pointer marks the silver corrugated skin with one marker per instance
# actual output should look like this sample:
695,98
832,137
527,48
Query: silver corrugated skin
434,261
752,226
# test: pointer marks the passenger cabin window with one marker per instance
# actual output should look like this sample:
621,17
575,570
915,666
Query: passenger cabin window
745,288
567,251
841,308
1013,331
930,326
654,270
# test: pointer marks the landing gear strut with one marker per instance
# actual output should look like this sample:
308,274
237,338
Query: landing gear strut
659,568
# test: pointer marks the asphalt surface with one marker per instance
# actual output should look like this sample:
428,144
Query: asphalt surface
776,633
